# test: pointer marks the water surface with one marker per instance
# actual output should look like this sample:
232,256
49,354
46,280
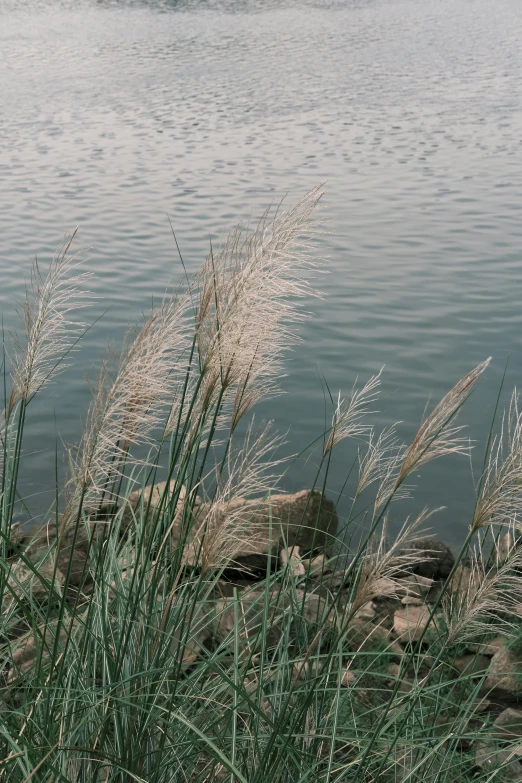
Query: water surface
115,115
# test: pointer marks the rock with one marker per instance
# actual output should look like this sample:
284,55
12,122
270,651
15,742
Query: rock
348,678
363,635
26,584
410,600
42,549
291,559
419,585
509,723
190,645
304,669
409,623
16,534
366,612
394,670
317,566
472,665
498,761
27,649
151,496
435,558
504,548
480,705
505,673
306,519
250,612
488,648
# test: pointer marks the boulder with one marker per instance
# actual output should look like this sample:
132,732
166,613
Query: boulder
409,623
505,673
43,548
306,519
291,559
472,665
151,497
26,651
249,609
435,558
26,584
509,723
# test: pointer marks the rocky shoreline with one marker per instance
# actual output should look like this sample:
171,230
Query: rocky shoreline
394,624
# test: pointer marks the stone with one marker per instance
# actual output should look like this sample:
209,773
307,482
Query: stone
435,558
504,548
366,612
409,623
44,541
291,559
505,673
416,585
26,651
249,612
348,678
509,723
480,705
472,665
16,534
306,519
488,648
26,584
304,669
410,600
190,645
363,635
499,760
317,566
151,496
394,670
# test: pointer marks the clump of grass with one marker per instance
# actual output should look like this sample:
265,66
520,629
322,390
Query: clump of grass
130,663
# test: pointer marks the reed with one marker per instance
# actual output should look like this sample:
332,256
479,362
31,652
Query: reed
126,651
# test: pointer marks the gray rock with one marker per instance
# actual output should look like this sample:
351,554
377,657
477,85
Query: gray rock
505,673
409,624
509,723
26,585
435,559
472,665
26,651
306,519
73,551
498,761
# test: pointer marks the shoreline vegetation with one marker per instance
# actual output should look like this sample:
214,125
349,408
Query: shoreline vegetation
205,627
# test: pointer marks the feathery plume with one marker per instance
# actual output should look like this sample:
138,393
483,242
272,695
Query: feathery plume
220,534
127,408
500,495
384,560
348,419
49,329
435,438
246,308
380,464
483,600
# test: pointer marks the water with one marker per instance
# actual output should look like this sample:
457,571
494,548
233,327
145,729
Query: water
115,115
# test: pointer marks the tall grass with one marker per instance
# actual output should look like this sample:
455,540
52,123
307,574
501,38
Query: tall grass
127,652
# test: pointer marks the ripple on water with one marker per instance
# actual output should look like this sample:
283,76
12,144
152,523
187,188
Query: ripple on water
114,116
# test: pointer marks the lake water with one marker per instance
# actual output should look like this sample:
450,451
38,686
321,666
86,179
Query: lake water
114,115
